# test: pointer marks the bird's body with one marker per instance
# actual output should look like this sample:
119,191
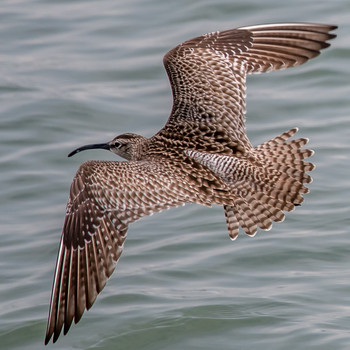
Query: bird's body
202,155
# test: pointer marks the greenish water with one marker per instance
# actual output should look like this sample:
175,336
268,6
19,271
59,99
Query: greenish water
82,72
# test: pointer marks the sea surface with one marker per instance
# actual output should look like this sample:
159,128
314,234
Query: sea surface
78,72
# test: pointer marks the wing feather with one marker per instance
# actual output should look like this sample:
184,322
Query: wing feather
104,198
208,73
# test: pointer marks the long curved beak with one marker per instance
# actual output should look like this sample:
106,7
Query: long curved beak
105,146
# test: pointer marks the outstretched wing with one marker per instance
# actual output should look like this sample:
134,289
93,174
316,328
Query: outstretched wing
208,73
104,198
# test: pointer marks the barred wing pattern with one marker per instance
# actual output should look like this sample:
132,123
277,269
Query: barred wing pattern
105,197
208,73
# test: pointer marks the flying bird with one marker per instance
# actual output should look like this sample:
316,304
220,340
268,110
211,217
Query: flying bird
202,155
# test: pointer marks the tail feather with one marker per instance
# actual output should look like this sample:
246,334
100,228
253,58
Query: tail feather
232,222
246,218
280,139
299,175
264,183
264,191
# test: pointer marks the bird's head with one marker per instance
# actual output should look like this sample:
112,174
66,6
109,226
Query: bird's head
128,146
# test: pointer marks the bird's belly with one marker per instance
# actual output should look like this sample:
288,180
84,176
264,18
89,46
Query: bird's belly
221,165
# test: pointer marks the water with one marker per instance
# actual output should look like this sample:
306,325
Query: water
82,72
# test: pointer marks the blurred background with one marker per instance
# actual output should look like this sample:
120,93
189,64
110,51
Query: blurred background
80,72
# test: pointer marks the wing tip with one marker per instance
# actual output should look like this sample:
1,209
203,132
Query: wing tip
47,339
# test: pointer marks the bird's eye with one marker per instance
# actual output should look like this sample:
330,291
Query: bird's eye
117,144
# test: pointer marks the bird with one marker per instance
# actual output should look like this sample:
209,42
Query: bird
202,155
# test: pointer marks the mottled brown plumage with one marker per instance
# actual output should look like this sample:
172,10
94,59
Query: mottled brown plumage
202,155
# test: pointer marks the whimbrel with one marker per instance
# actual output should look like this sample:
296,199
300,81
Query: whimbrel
202,155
